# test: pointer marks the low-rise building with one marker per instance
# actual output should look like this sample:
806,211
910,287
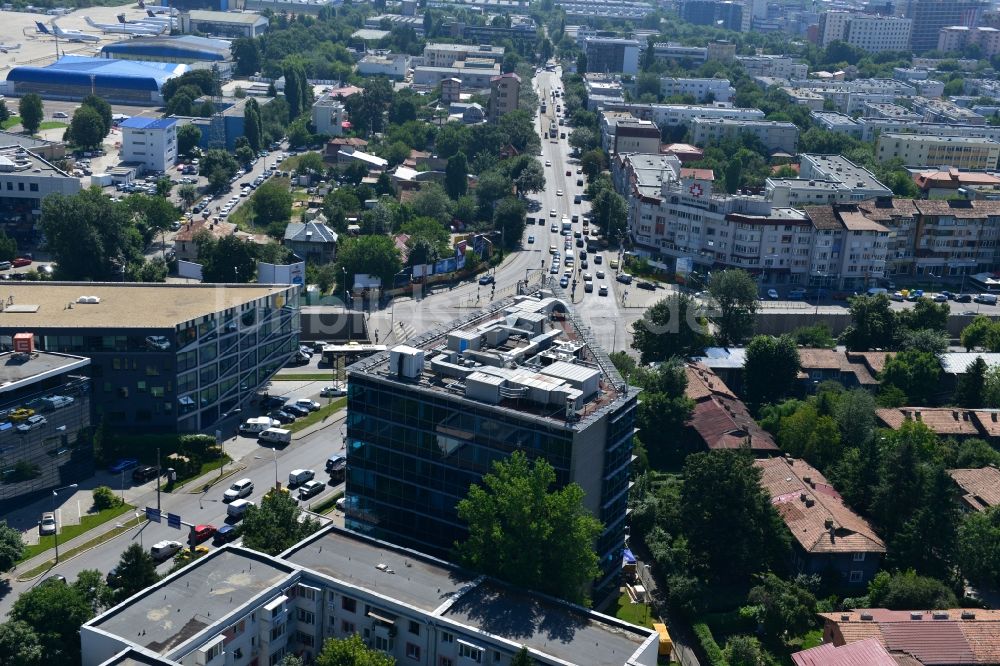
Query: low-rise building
347,155
946,183
805,191
804,97
446,55
612,56
868,652
889,110
945,111
149,142
223,24
635,136
392,65
980,487
837,122
954,151
776,66
703,90
719,419
45,403
774,135
474,74
328,116
849,369
668,51
827,535
337,584
311,241
26,179
838,168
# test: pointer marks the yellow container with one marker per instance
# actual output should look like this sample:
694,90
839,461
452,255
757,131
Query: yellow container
666,645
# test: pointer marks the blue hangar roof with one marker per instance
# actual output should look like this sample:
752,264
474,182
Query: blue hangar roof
140,122
185,47
105,73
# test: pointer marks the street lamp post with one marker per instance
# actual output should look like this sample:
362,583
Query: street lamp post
274,453
344,269
55,516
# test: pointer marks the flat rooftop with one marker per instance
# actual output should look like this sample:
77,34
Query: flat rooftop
526,355
418,579
245,18
570,634
45,305
17,370
839,168
170,613
18,160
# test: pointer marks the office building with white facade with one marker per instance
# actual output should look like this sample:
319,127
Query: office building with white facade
703,90
236,606
774,135
149,142
446,55
393,65
328,115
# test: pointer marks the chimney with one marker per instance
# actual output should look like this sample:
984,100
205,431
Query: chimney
906,415
994,416
828,523
916,413
954,414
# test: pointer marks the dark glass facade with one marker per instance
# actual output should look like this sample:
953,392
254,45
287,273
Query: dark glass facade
413,454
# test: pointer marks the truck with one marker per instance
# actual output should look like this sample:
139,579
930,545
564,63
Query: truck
566,224
276,436
257,425
101,180
553,130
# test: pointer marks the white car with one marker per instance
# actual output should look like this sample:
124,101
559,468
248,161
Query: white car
164,550
548,163
602,290
60,114
306,403
334,390
238,490
48,524
552,212
559,193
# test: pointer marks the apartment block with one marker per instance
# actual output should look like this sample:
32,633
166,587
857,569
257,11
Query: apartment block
329,115
833,27
505,93
877,34
776,66
837,122
239,606
149,142
797,192
635,136
837,168
446,55
608,55
804,97
945,111
849,249
694,55
930,16
928,150
957,37
774,135
703,90
531,379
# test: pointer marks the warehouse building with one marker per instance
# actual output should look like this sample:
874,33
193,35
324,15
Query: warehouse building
223,24
185,49
75,77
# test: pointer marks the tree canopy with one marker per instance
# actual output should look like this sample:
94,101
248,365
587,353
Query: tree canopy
673,326
735,293
771,366
524,532
276,524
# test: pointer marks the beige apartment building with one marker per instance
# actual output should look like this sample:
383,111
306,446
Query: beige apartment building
955,151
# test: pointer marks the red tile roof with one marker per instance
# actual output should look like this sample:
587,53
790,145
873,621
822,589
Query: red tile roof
950,637
813,511
719,418
980,487
942,420
868,652
700,174
832,359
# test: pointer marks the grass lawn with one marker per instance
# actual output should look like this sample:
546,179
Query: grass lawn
52,124
88,522
320,414
65,555
303,377
10,122
206,467
639,614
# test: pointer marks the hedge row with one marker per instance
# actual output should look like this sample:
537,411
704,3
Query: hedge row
711,650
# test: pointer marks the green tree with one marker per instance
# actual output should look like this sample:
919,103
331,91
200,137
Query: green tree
276,524
671,327
135,571
253,125
247,54
374,255
770,369
913,372
609,212
20,644
102,108
188,194
523,532
977,333
11,547
227,260
583,139
663,410
351,651
924,339
925,314
86,127
873,324
244,155
32,112
509,219
979,546
291,660
217,159
975,453
105,498
807,434
593,162
491,187
744,650
432,201
522,658
855,415
729,541
92,587
8,247
906,591
272,203
785,607
188,137
971,391
55,611
735,293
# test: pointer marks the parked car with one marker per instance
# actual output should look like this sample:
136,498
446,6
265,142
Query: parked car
564,281
897,296
334,390
238,490
310,488
624,278
486,279
144,473
651,286
47,525
986,299
123,465
963,298
282,416
308,404
164,550
31,423
299,476
225,534
917,294
939,298
771,293
204,533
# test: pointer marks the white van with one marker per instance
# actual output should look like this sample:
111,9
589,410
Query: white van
257,425
238,509
299,476
875,291
164,550
276,436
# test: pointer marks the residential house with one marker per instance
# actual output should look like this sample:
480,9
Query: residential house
827,535
333,147
944,637
980,487
868,652
312,241
847,368
719,419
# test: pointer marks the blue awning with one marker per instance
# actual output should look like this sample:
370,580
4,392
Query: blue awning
628,556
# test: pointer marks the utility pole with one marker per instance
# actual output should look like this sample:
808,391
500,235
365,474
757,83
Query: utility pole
157,478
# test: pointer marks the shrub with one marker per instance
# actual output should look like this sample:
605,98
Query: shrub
711,650
105,498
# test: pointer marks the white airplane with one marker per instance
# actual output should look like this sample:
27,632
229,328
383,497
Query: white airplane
153,19
7,48
68,35
124,28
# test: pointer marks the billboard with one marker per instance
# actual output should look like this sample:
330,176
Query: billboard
282,274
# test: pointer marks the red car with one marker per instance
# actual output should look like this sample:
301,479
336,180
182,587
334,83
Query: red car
21,261
203,533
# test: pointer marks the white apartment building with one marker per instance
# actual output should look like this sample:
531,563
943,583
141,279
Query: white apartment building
837,122
877,34
151,142
328,116
446,55
798,192
833,27
775,66
775,135
837,168
961,152
703,90
236,606
393,65
474,74
672,115
872,127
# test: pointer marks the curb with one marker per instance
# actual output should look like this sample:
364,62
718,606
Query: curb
205,486
74,555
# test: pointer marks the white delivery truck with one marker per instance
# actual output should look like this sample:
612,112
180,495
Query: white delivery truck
257,425
276,436
238,509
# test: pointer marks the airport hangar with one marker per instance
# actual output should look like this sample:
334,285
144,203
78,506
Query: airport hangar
187,49
74,77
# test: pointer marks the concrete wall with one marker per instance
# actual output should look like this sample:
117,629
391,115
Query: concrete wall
330,323
777,323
